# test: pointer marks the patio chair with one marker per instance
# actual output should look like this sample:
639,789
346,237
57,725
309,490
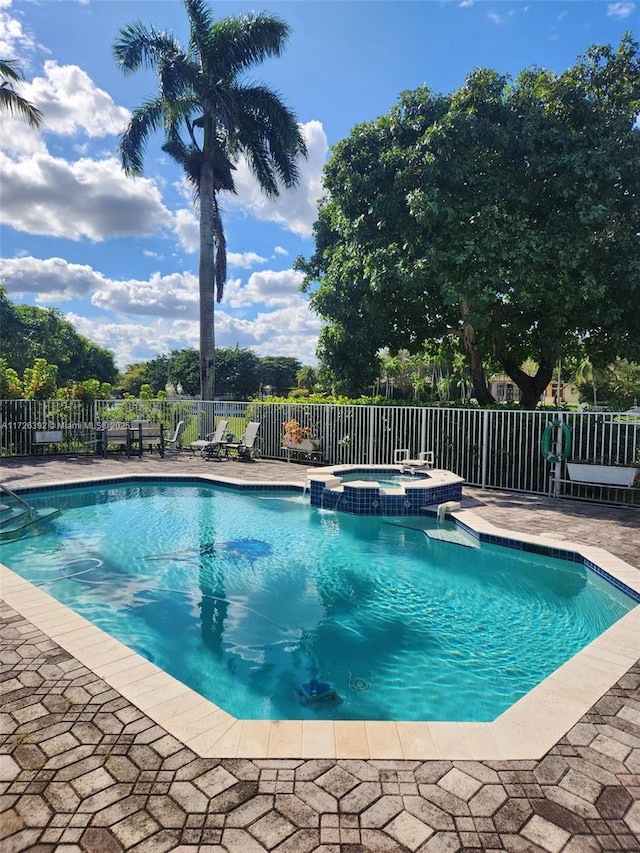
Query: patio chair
245,448
148,434
174,442
117,437
210,446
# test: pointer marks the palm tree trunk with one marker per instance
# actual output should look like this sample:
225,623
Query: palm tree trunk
206,276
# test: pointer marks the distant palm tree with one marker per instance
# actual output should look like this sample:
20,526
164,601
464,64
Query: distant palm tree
10,100
210,118
587,374
307,377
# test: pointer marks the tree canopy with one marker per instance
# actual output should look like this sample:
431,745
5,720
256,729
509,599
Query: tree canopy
30,333
506,213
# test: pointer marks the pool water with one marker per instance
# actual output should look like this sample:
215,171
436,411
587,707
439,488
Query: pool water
386,479
246,598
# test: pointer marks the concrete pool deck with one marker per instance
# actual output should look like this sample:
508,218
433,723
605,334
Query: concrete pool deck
85,764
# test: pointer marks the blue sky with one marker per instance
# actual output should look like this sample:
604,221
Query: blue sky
119,256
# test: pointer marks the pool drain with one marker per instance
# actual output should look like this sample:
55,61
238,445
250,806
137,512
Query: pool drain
358,684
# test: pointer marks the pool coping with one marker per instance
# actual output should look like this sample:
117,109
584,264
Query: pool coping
527,730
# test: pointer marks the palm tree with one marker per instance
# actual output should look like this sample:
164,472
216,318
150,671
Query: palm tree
587,374
307,377
210,118
10,100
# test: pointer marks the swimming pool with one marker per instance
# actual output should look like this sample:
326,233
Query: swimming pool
244,596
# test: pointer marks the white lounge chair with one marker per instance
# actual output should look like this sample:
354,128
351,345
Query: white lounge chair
245,448
209,447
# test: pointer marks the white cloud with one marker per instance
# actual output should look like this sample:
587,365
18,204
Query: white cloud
54,279
55,197
620,10
140,319
269,288
174,295
499,19
136,342
71,102
18,138
296,210
86,198
187,230
290,332
244,260
14,41
280,251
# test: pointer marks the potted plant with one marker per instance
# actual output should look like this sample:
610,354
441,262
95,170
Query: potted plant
297,437
603,472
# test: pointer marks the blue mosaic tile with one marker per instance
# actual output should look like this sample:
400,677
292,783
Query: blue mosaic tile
160,480
617,583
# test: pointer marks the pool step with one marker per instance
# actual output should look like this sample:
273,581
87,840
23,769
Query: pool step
16,521
456,537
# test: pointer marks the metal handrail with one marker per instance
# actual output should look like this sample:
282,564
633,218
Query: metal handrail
30,509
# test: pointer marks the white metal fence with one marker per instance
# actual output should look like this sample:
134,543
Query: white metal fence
489,448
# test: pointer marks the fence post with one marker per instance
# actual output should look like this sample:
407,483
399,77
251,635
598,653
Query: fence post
485,448
372,431
423,432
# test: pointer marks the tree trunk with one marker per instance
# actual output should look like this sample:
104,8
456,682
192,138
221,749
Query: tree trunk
206,277
531,387
478,378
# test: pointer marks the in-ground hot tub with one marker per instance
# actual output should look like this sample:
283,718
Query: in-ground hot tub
382,489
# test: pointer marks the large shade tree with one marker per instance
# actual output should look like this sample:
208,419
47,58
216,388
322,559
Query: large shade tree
10,99
506,213
211,117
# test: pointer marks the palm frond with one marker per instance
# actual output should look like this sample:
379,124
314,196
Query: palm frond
140,47
240,42
10,70
133,142
269,135
13,102
201,29
177,76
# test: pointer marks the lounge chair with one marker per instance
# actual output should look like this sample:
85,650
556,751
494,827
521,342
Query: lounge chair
210,446
245,448
174,442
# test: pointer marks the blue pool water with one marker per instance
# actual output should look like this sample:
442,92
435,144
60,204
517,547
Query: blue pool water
386,479
247,597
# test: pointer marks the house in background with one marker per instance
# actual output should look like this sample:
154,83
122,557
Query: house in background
568,394
505,390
